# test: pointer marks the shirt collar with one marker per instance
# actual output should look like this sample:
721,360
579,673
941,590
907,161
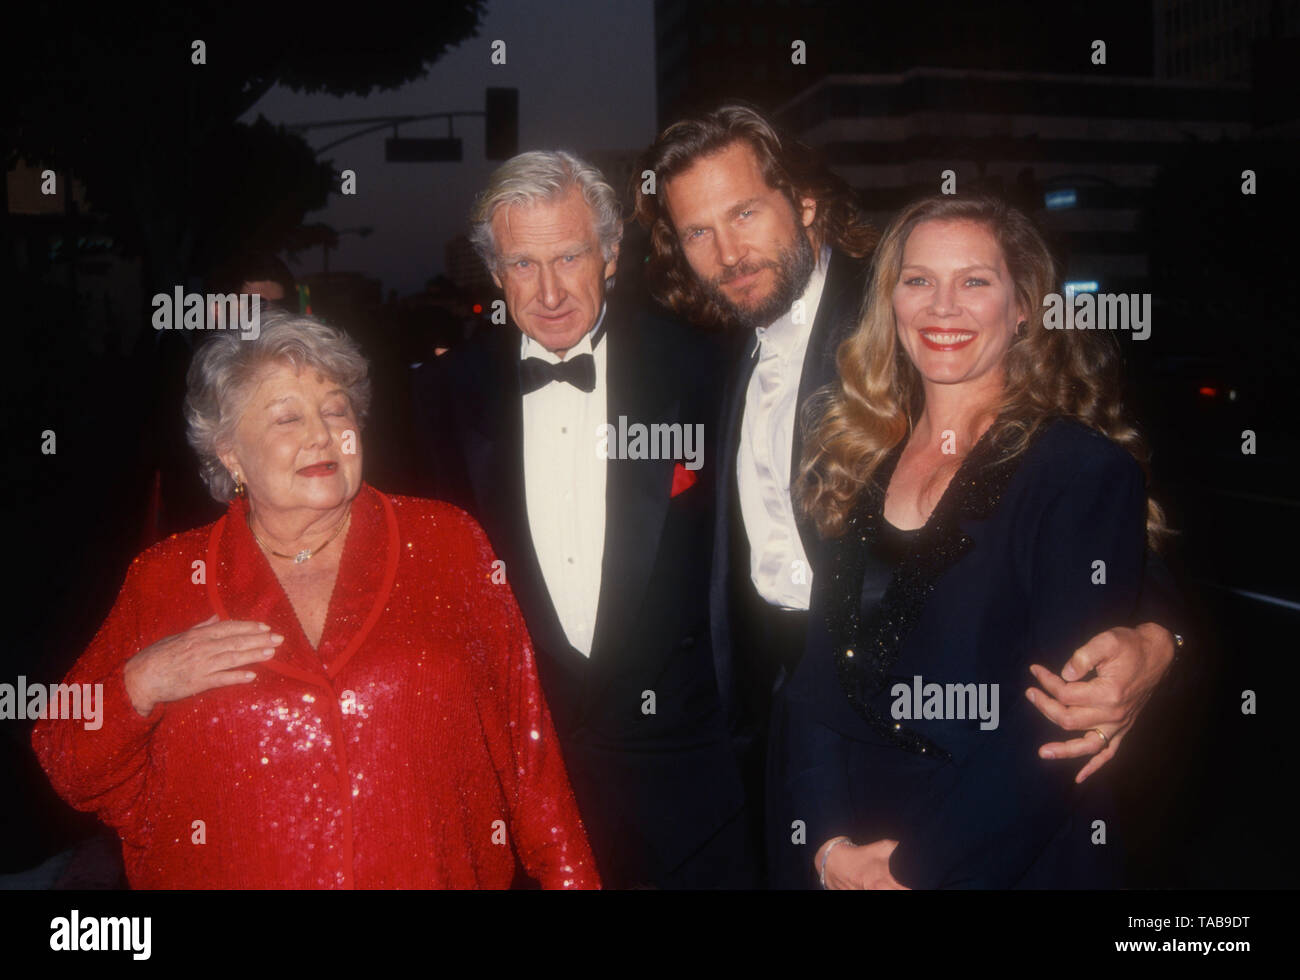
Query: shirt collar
531,348
783,335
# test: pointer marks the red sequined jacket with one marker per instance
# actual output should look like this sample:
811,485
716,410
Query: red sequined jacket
413,749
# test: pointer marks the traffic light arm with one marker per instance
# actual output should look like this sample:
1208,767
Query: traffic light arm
379,122
500,113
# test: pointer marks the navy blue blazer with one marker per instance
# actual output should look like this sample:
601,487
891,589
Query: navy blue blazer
1003,574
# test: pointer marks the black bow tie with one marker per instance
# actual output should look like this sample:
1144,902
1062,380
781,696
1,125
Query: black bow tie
579,371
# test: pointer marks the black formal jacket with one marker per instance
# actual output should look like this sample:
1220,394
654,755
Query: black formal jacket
742,685
659,793
1002,575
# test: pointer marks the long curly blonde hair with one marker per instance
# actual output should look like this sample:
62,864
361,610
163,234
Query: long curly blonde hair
853,424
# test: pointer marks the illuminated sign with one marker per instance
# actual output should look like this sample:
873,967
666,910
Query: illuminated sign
1057,200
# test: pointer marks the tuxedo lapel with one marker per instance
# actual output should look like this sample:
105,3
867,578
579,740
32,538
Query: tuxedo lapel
639,389
741,365
837,318
734,414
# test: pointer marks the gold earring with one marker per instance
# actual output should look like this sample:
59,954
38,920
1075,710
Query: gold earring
239,487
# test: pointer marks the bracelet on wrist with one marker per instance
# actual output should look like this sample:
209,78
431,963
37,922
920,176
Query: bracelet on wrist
826,856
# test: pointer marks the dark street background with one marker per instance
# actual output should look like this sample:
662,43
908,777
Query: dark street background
173,176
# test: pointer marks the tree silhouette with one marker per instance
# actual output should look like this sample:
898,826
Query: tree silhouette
117,101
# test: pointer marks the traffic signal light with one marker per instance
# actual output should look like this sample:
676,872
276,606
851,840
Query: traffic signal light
502,139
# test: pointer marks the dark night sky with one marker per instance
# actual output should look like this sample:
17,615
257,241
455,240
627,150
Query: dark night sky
585,71
585,74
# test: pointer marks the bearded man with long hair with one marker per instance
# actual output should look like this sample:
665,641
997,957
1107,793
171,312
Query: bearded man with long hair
748,232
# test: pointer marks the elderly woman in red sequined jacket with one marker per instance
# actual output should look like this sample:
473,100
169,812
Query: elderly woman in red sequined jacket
329,687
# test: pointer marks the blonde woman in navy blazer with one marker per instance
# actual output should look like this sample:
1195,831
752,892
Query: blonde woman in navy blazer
982,507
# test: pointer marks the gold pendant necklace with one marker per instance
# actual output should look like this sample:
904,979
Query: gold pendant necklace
306,553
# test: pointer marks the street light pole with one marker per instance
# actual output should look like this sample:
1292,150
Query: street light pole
500,115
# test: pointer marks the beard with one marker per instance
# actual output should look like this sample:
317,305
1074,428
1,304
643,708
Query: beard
793,267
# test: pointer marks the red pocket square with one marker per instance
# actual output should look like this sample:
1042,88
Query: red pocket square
683,479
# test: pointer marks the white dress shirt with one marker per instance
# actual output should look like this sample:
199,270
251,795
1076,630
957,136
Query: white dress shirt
778,566
564,484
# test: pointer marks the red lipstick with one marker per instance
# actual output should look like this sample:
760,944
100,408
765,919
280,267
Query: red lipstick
946,340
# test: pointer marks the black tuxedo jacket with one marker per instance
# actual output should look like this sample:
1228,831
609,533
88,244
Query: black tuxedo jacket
659,792
837,317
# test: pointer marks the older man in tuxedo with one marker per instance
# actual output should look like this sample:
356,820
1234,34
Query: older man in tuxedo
606,538
749,232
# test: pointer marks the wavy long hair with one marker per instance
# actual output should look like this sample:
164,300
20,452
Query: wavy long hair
787,166
853,424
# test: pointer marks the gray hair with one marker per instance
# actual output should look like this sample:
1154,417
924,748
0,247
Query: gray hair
543,175
221,376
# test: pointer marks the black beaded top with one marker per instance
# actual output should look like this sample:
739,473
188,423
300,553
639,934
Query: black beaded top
893,543
865,652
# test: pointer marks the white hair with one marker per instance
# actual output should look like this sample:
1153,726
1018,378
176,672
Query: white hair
221,377
544,175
